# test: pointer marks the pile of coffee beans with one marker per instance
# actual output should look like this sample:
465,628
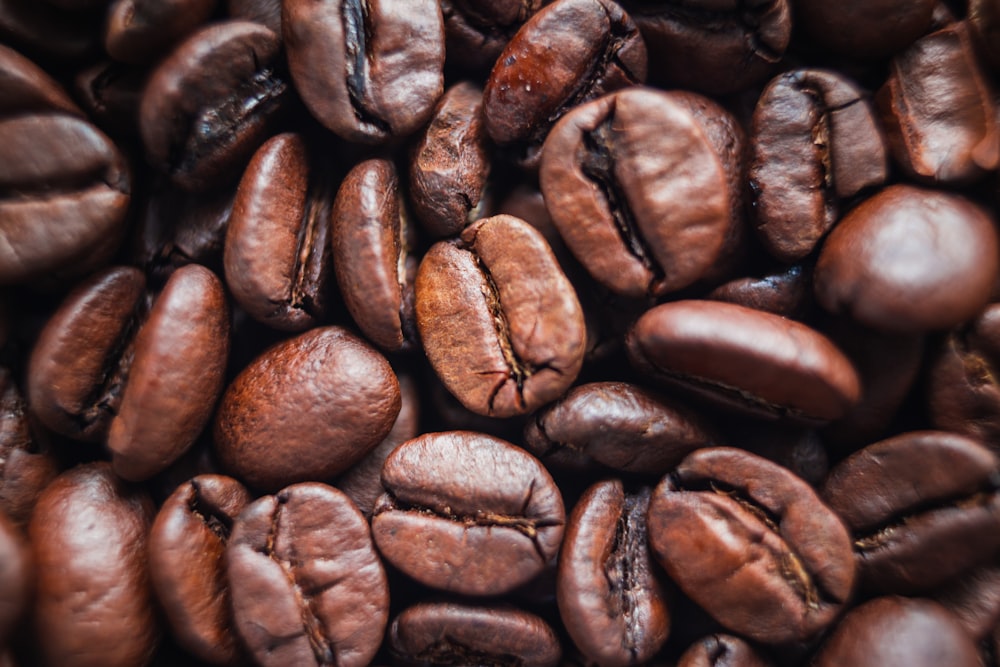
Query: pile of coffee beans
499,332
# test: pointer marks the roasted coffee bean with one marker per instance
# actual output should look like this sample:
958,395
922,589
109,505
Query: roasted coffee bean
277,255
893,262
638,191
187,544
25,469
110,92
816,141
16,577
618,425
476,31
609,598
450,163
452,633
898,632
568,53
864,29
306,409
722,651
94,603
752,544
362,482
499,321
743,359
27,88
939,110
716,47
211,103
984,20
963,394
467,513
265,12
786,292
922,506
138,31
306,583
974,599
371,71
373,242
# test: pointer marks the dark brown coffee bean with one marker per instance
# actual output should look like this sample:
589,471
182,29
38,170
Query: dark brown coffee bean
744,359
373,241
716,47
277,255
898,632
467,513
26,87
306,409
922,506
609,599
187,546
815,142
111,92
939,110
362,482
568,53
138,31
722,651
618,425
894,261
499,321
963,393
786,292
864,29
641,225
752,544
211,103
974,599
25,469
94,603
476,31
306,583
451,633
184,345
984,20
16,577
265,12
370,71
450,163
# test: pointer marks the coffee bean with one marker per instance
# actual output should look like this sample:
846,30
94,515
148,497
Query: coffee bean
25,468
16,577
187,544
752,544
265,12
306,583
137,31
786,292
864,29
467,513
722,651
609,599
984,21
499,321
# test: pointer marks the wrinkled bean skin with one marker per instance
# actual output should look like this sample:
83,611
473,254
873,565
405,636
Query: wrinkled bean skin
187,545
306,583
307,408
609,598
94,604
752,544
459,634
467,513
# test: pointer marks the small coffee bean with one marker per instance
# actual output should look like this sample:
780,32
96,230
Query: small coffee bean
722,651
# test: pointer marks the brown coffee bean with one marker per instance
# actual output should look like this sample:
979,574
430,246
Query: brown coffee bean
373,241
27,87
786,292
450,163
568,53
452,633
722,651
306,583
277,254
974,599
265,12
864,29
893,631
137,31
110,92
211,102
187,544
25,469
815,142
922,506
752,544
94,603
618,425
476,31
745,360
16,577
370,71
641,226
984,20
306,409
609,599
499,321
894,261
467,513
939,110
